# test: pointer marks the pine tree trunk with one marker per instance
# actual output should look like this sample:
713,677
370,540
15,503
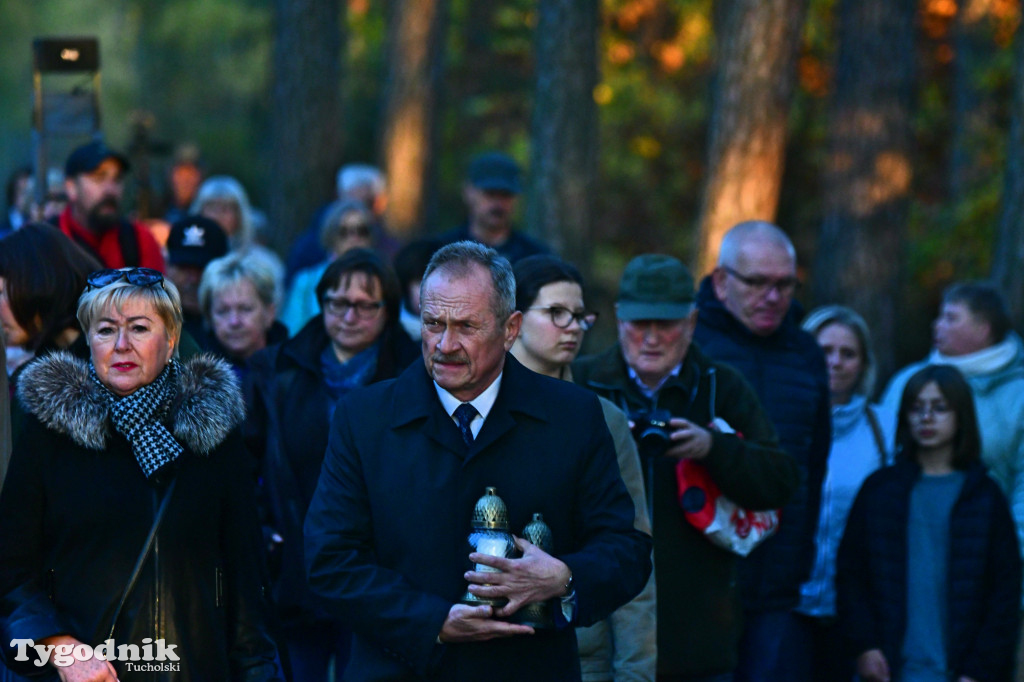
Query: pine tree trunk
563,161
1007,272
417,29
973,107
869,170
754,88
306,113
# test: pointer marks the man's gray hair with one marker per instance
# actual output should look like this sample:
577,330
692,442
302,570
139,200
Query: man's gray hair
458,257
758,230
358,175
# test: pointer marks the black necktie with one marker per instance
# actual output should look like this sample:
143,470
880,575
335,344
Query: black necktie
464,415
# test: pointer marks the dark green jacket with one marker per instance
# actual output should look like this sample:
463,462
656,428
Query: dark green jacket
699,612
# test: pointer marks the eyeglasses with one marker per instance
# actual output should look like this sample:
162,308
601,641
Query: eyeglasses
140,277
563,317
365,310
919,411
348,231
761,285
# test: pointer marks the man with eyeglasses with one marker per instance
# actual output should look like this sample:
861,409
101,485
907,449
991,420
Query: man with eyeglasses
748,319
94,182
683,404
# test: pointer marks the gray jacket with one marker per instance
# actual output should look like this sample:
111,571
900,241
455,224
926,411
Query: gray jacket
624,647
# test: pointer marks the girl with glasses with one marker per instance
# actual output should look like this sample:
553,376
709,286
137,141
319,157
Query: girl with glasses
929,572
549,293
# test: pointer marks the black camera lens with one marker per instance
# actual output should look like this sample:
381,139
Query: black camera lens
651,430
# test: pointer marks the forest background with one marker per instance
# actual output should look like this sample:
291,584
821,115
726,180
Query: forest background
884,136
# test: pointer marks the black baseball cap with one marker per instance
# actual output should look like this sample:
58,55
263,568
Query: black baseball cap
195,240
655,287
88,157
495,171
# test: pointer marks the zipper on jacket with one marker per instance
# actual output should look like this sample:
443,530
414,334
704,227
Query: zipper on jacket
157,630
218,582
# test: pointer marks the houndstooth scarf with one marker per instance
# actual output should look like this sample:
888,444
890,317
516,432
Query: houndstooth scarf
139,418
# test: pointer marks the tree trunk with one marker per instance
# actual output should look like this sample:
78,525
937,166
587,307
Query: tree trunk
869,170
754,87
563,160
417,29
973,107
1007,272
306,113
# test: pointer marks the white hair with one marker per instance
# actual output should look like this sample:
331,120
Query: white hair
749,231
359,175
226,188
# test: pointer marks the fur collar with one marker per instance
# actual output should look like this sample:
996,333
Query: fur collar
57,390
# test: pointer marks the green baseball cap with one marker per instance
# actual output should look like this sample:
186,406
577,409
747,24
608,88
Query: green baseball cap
655,287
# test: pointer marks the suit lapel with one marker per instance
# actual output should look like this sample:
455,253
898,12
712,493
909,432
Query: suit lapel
514,396
416,400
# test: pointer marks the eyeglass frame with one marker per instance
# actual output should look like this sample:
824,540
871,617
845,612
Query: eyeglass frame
786,286
148,276
580,318
362,308
922,411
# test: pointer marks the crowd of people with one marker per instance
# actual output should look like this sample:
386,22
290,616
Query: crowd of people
267,468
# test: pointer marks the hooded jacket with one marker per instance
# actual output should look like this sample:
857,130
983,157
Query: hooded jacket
787,370
983,569
76,510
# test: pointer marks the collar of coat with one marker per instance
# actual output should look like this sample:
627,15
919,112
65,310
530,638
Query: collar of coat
57,390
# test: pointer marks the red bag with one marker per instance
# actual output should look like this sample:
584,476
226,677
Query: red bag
723,522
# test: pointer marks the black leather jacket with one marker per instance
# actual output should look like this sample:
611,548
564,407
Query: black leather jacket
76,510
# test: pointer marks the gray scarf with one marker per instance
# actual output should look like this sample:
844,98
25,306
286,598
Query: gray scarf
139,418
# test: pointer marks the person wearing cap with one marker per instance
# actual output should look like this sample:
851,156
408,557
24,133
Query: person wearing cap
491,192
656,365
193,242
94,183
748,319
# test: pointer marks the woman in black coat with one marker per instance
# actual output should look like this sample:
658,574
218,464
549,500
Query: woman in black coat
291,391
929,573
127,518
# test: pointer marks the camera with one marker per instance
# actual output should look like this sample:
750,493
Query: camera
651,430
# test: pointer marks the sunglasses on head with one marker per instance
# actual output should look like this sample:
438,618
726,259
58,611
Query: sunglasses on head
141,277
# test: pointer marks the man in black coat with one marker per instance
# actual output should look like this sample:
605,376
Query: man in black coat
386,532
746,319
491,193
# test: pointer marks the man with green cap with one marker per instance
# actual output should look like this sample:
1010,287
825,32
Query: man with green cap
684,405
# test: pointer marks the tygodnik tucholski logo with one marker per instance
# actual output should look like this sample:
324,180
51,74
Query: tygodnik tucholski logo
152,656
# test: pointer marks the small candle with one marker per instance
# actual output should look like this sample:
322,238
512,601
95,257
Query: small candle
492,546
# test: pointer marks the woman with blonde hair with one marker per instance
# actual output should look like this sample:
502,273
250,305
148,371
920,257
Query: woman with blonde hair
862,437
128,514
